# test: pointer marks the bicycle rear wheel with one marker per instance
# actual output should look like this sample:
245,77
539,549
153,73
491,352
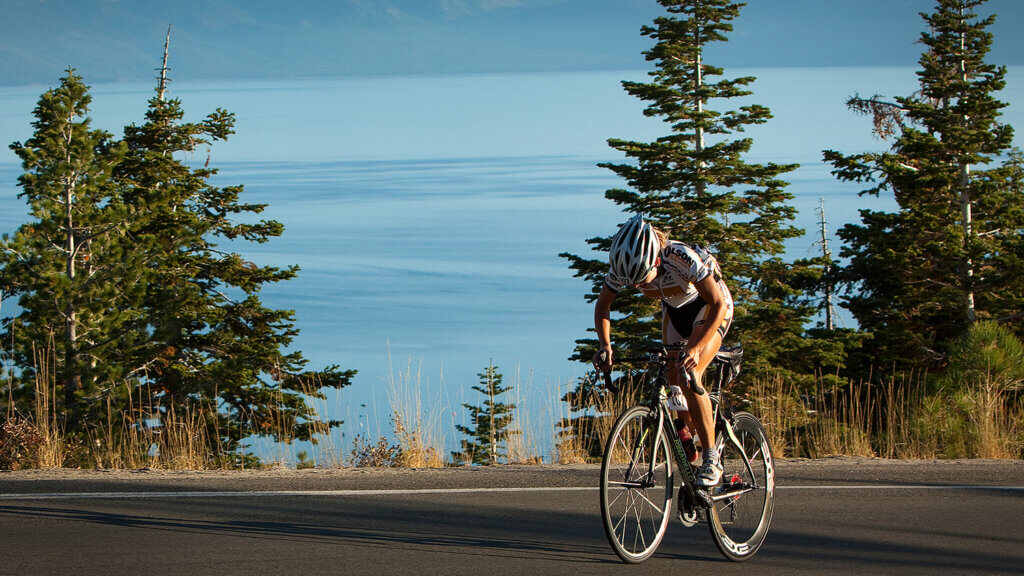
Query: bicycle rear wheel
636,485
744,500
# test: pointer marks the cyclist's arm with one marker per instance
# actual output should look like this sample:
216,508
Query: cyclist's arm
702,335
603,327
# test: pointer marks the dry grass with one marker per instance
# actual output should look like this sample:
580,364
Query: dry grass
902,417
280,449
144,435
55,448
896,419
579,430
418,432
140,437
523,445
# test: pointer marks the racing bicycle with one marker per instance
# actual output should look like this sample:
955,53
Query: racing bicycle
637,473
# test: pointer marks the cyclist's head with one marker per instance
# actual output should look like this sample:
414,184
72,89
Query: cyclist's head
635,250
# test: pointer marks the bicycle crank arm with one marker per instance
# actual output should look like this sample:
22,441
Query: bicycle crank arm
704,500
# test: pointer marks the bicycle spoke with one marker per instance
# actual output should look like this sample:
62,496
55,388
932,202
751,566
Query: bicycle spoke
636,453
648,500
636,486
616,499
639,529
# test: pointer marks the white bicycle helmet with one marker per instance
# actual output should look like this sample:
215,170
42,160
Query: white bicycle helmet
634,250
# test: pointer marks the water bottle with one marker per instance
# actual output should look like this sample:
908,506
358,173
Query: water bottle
689,446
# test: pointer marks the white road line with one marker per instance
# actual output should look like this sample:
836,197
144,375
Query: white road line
255,493
904,487
413,492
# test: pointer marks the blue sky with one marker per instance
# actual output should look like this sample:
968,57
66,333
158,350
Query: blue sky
121,40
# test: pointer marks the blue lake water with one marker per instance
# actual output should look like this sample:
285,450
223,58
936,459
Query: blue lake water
427,213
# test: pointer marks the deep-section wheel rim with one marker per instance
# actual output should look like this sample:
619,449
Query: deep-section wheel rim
745,499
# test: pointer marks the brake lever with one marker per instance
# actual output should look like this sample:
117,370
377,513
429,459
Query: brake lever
692,379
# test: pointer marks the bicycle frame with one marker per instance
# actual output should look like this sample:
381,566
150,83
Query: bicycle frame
659,406
637,486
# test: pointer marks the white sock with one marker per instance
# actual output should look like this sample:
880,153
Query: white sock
711,454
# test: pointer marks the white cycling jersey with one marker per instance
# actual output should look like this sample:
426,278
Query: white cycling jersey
682,266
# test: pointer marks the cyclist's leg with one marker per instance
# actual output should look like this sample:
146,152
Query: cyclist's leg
701,408
700,404
671,336
690,318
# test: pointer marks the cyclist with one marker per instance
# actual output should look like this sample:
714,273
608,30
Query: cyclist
696,308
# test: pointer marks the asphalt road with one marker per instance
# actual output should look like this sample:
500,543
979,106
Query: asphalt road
831,517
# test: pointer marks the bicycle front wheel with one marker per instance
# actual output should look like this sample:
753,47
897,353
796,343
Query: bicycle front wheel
636,485
743,502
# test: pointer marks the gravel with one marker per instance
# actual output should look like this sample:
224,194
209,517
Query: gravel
789,472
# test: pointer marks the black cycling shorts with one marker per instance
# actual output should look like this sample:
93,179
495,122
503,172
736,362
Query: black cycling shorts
688,316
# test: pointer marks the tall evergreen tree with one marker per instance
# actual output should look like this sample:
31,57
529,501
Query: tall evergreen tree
72,267
489,430
951,252
695,185
125,276
208,338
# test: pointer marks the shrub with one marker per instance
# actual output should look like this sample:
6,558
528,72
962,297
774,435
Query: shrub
370,454
19,444
984,369
988,357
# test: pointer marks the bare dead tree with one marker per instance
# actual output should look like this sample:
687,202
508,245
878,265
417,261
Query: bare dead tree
826,252
163,79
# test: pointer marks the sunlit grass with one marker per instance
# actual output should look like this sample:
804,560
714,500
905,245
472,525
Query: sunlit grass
900,416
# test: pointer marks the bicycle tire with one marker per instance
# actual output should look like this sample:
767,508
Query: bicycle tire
636,505
742,513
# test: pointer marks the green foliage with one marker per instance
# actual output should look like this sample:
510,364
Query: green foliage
127,273
72,267
489,430
968,423
951,253
695,185
988,356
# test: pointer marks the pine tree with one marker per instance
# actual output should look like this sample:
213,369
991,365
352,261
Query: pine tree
208,339
950,254
72,267
695,185
489,430
824,350
123,277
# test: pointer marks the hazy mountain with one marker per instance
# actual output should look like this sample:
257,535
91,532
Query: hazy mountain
122,40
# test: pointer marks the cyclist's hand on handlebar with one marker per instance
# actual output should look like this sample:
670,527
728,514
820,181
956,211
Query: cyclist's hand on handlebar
688,359
603,359
603,364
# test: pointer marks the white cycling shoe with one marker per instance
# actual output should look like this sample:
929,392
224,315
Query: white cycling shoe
709,474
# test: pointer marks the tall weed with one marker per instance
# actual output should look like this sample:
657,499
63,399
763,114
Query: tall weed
417,430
